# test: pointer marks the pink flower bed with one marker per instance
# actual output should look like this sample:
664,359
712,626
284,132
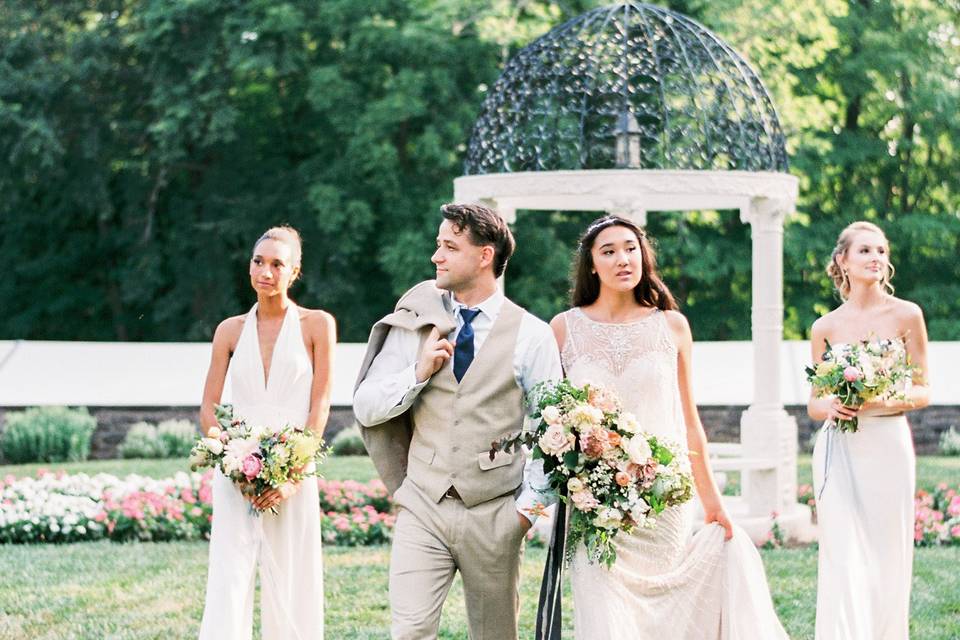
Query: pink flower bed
936,514
55,507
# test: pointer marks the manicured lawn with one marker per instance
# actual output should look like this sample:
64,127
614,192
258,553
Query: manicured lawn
141,591
931,471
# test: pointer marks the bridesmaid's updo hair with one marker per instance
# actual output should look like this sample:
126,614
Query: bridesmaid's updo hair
288,236
650,291
841,281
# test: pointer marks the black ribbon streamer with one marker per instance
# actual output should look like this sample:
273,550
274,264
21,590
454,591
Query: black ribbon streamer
549,610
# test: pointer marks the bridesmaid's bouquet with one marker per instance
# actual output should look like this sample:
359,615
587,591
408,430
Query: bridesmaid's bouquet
257,458
862,371
613,476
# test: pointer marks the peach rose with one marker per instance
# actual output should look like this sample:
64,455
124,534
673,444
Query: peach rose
556,442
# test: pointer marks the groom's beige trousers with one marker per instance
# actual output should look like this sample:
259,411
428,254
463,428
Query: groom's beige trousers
432,541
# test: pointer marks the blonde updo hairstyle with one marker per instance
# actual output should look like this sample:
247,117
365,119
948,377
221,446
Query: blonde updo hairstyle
290,237
838,274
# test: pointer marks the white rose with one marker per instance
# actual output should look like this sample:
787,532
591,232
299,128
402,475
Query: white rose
584,416
575,485
608,518
638,449
550,414
214,432
628,422
555,441
213,445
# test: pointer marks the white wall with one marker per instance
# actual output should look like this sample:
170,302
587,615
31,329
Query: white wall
172,374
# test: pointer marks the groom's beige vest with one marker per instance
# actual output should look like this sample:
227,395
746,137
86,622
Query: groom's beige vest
455,424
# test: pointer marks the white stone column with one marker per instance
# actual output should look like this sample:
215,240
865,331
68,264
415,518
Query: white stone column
767,432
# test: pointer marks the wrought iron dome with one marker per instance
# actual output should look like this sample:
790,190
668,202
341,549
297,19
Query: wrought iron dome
627,86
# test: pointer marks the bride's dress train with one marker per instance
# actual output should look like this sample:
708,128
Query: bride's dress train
665,584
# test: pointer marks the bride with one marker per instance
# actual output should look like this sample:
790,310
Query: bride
279,358
625,333
865,480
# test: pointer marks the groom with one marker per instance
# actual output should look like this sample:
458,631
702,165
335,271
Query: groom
445,375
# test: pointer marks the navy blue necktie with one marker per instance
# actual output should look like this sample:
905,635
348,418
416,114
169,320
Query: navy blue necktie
463,352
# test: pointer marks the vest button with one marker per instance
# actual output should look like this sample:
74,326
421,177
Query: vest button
456,422
455,449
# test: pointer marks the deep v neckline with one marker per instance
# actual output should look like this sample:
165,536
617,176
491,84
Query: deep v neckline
265,374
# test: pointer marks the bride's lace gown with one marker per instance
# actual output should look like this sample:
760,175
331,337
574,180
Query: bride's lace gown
287,545
666,583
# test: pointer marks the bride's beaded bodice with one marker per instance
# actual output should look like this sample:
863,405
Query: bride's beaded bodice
637,359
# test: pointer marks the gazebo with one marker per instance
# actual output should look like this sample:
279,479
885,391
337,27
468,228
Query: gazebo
633,109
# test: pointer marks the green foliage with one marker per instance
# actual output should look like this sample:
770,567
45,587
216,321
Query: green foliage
154,141
348,442
141,441
950,442
169,439
177,437
47,434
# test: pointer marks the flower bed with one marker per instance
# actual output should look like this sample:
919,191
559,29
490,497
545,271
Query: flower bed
936,515
55,507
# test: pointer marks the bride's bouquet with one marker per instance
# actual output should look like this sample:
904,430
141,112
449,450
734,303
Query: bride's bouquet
862,371
257,458
613,476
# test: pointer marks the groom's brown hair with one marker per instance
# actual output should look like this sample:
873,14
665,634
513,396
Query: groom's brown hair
485,228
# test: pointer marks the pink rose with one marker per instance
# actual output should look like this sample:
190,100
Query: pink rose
555,441
852,374
251,467
603,399
584,501
622,478
595,442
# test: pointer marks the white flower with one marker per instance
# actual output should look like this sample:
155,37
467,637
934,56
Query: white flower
628,422
213,445
583,415
608,518
575,485
214,432
639,509
236,451
555,441
638,449
550,414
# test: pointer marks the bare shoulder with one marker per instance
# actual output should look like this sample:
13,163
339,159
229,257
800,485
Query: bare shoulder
227,334
677,322
559,322
906,310
229,329
318,322
822,325
559,326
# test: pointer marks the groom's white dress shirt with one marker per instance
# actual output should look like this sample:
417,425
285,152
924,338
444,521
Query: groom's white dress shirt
390,386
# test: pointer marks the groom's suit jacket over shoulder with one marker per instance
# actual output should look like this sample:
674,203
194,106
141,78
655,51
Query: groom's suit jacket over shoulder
388,443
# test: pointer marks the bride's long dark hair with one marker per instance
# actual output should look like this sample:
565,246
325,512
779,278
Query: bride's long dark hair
649,292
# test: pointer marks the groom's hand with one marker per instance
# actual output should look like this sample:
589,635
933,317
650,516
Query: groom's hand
524,523
435,352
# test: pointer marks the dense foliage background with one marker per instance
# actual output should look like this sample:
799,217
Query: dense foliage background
145,144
